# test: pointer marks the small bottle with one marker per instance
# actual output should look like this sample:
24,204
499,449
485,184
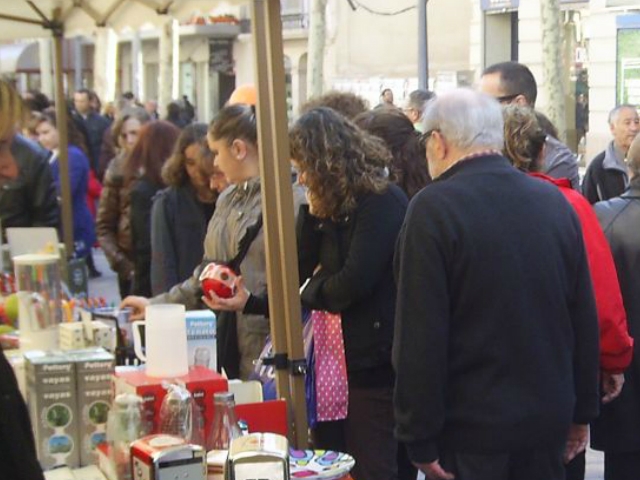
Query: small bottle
225,424
124,425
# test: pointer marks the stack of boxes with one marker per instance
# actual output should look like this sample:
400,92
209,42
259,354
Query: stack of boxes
69,394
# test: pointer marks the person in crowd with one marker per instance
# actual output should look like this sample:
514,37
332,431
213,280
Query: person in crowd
182,211
109,147
94,123
23,176
84,234
144,179
113,222
36,101
174,115
513,82
415,105
346,103
524,144
189,111
232,138
408,167
151,106
109,112
386,99
617,430
27,191
496,339
346,243
607,175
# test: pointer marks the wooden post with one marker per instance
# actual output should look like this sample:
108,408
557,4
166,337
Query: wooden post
63,155
277,208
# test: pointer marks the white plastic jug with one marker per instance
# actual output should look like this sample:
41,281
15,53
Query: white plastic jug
165,341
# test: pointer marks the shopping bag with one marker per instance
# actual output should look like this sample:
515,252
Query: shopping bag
332,387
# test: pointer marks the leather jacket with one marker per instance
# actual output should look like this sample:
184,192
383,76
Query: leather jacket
113,222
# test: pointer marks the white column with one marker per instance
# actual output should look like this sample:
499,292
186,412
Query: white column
165,61
529,44
137,67
295,85
46,77
78,64
175,56
205,103
105,66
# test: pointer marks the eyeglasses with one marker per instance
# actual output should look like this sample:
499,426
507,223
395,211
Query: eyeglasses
507,98
424,138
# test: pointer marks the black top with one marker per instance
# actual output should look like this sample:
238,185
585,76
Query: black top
496,340
617,429
356,279
602,183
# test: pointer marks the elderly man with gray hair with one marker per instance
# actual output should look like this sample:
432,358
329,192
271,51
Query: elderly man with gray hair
415,106
607,176
496,335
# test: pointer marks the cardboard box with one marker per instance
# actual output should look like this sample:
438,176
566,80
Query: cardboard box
71,336
200,381
52,399
94,369
201,338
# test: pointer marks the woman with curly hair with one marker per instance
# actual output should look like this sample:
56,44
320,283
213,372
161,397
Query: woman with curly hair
181,212
143,172
408,167
346,245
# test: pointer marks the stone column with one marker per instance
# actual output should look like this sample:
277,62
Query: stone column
175,57
137,67
165,61
78,63
105,64
46,69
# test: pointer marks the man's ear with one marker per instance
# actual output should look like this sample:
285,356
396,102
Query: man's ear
239,149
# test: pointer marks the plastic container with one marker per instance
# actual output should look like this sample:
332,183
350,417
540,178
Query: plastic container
38,282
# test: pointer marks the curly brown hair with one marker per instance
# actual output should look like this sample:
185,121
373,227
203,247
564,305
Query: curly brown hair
346,103
409,161
338,160
174,172
523,138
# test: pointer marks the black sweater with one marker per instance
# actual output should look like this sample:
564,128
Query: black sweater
496,340
356,279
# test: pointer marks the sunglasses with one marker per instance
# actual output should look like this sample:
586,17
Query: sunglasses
424,138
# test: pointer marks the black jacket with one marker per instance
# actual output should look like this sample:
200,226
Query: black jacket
142,194
356,278
496,340
618,427
18,460
601,183
178,227
94,127
30,200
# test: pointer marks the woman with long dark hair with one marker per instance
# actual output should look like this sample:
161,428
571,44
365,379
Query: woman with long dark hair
182,211
143,172
408,167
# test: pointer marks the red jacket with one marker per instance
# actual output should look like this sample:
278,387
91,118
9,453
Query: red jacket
616,346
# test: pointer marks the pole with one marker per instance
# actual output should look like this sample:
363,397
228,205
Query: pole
277,208
423,46
63,155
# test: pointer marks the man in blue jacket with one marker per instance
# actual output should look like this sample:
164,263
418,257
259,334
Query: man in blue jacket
496,335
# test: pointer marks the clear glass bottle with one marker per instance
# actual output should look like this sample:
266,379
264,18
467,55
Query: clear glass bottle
124,425
225,424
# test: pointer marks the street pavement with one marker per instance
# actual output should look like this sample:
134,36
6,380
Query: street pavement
107,286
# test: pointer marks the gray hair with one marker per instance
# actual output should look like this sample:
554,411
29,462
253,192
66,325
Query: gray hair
418,100
633,159
613,114
467,119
